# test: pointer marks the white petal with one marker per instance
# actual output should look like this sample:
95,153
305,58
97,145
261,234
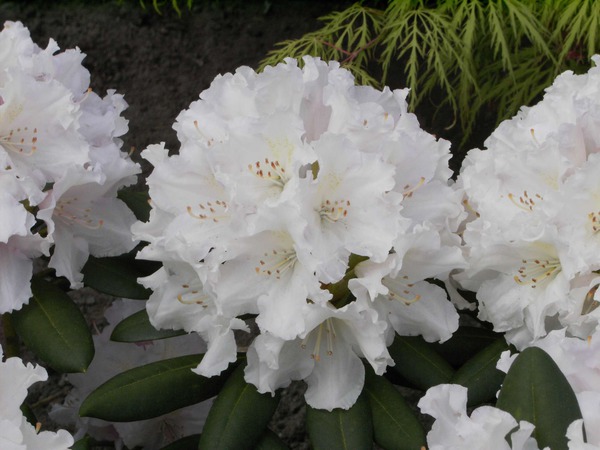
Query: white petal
336,380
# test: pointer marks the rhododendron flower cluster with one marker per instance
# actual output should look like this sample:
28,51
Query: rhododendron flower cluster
16,433
319,208
534,193
112,358
60,165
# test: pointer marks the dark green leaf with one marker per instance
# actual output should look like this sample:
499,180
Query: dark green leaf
151,390
418,362
117,276
239,415
536,390
186,443
341,429
52,326
137,202
395,425
270,441
480,376
137,328
465,343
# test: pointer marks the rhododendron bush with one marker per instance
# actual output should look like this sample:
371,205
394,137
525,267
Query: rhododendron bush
307,230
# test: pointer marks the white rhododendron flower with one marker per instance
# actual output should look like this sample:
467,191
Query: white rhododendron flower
533,239
61,165
15,432
327,355
112,358
305,203
486,428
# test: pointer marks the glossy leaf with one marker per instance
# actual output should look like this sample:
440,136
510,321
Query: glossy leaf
270,441
395,425
465,343
186,443
480,376
535,390
239,415
52,326
137,328
418,362
151,390
341,429
137,202
117,276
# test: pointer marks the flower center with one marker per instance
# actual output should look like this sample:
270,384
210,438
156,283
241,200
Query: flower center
534,271
270,171
276,263
192,295
21,141
214,211
69,212
595,221
323,334
524,201
334,211
401,290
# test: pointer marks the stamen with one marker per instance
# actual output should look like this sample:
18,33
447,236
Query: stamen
317,349
192,296
595,221
215,211
70,213
408,190
404,294
532,131
334,211
277,263
269,170
209,141
534,271
87,93
328,328
525,202
21,146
